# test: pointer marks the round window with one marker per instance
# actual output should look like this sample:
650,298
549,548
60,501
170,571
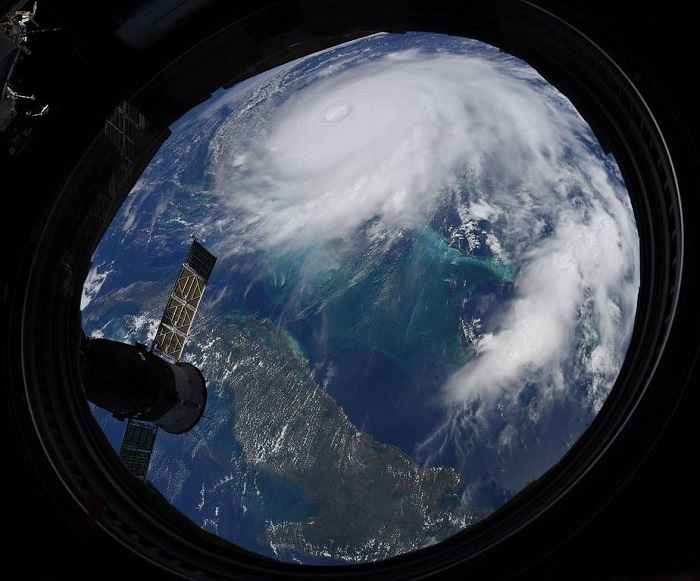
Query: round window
427,280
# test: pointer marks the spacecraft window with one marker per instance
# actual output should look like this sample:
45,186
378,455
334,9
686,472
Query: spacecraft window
428,282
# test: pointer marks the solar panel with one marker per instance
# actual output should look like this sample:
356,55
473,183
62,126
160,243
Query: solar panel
183,303
169,342
201,260
137,447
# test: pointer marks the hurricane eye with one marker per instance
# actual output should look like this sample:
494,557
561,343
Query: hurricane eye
336,113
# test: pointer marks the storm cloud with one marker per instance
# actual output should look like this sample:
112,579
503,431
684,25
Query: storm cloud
390,138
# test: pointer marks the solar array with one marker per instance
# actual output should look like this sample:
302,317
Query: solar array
169,342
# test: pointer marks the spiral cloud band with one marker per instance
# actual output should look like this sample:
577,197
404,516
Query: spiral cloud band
390,139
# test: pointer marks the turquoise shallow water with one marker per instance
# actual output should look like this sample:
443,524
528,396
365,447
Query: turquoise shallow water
406,303
472,268
381,328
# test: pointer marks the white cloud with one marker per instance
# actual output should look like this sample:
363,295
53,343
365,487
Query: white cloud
96,277
536,330
389,138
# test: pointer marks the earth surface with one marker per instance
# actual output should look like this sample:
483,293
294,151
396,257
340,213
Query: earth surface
426,285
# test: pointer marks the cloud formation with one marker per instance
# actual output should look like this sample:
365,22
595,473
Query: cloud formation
391,138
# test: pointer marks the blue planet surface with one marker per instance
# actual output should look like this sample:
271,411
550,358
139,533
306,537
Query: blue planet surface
427,281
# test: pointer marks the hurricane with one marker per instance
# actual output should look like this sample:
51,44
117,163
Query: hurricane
396,139
420,234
